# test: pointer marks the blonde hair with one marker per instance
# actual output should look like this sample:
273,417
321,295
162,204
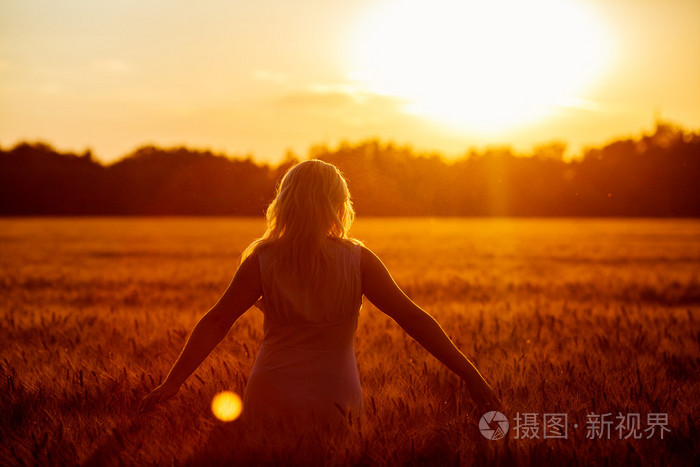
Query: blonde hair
312,203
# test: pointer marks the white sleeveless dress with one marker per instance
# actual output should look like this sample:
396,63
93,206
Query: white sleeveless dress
306,363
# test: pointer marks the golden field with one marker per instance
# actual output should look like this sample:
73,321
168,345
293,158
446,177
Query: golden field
574,316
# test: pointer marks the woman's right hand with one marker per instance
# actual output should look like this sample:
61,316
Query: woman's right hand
160,394
484,397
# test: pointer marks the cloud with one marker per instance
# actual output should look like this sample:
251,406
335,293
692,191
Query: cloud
338,95
316,99
343,88
111,65
270,76
592,106
344,104
50,89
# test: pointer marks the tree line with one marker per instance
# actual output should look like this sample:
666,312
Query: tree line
652,175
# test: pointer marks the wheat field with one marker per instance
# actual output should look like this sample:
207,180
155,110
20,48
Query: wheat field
581,317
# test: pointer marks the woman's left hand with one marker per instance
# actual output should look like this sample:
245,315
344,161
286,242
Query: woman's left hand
160,394
484,397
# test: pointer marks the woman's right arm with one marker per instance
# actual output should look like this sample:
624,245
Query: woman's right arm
381,289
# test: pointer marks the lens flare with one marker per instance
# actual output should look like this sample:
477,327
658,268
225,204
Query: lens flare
226,406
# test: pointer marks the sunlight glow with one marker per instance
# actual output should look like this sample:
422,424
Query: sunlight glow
487,64
226,406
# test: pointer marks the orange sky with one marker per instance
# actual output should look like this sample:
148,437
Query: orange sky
266,76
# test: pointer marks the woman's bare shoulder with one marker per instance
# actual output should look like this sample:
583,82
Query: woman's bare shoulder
369,261
262,248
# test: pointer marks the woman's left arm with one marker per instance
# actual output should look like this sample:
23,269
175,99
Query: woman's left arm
245,289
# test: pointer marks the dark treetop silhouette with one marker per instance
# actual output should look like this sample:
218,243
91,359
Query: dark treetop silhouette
653,175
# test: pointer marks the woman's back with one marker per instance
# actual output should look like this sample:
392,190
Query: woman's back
336,297
306,362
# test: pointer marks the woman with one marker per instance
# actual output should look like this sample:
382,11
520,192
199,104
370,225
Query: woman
311,276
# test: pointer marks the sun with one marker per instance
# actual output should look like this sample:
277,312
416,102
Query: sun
490,64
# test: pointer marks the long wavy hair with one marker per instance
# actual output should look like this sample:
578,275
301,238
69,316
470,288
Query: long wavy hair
311,206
